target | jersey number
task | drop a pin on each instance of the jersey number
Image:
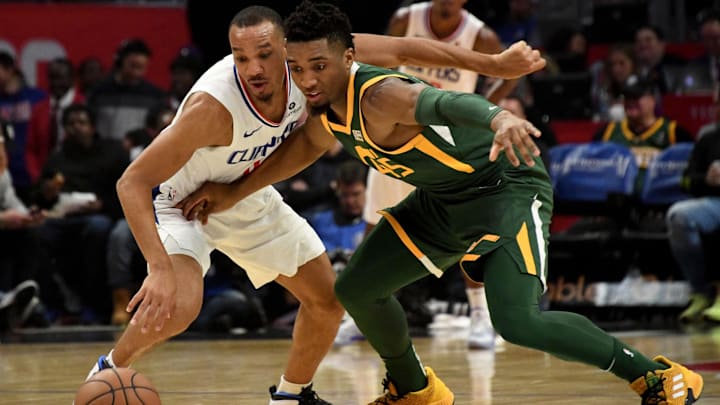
(382, 164)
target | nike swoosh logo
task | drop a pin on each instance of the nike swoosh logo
(248, 134)
(492, 107)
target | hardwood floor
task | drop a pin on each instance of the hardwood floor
(240, 371)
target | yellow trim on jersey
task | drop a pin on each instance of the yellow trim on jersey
(470, 258)
(671, 132)
(608, 131)
(629, 135)
(405, 239)
(428, 148)
(419, 142)
(402, 234)
(487, 237)
(345, 129)
(523, 241)
(326, 123)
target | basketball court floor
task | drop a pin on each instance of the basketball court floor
(239, 371)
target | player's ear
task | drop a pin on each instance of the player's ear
(349, 57)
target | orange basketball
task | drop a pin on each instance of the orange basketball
(117, 386)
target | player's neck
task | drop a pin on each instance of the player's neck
(339, 111)
(443, 27)
(272, 108)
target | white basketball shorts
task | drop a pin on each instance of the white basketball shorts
(261, 234)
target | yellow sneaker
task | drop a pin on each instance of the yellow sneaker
(435, 393)
(675, 385)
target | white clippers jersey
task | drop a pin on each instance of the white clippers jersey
(447, 78)
(254, 136)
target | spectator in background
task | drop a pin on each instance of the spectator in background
(19, 255)
(121, 101)
(619, 64)
(519, 25)
(566, 51)
(45, 133)
(156, 120)
(16, 105)
(311, 191)
(703, 72)
(642, 131)
(78, 186)
(690, 220)
(654, 63)
(90, 72)
(185, 69)
(342, 227)
(715, 123)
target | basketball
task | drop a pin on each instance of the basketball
(117, 386)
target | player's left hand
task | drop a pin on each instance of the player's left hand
(510, 131)
(518, 60)
(208, 199)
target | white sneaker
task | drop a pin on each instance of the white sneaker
(482, 334)
(348, 333)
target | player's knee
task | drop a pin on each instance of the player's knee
(515, 325)
(348, 293)
(326, 306)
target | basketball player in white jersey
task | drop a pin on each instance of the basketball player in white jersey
(447, 21)
(237, 113)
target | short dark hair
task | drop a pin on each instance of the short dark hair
(7, 60)
(659, 33)
(131, 46)
(312, 21)
(254, 15)
(351, 172)
(77, 107)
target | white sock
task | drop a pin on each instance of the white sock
(290, 388)
(110, 359)
(477, 301)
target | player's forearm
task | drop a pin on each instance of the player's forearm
(294, 155)
(500, 90)
(136, 200)
(426, 52)
(437, 107)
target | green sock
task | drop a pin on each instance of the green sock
(629, 364)
(406, 365)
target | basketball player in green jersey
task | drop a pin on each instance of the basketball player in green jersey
(470, 205)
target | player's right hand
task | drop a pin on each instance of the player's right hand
(518, 60)
(208, 199)
(155, 301)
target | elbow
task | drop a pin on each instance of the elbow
(124, 186)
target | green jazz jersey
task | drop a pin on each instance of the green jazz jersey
(440, 159)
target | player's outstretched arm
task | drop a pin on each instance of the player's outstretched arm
(302, 147)
(396, 102)
(518, 60)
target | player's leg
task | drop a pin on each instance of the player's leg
(513, 297)
(133, 343)
(379, 267)
(482, 334)
(190, 255)
(317, 320)
(188, 301)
